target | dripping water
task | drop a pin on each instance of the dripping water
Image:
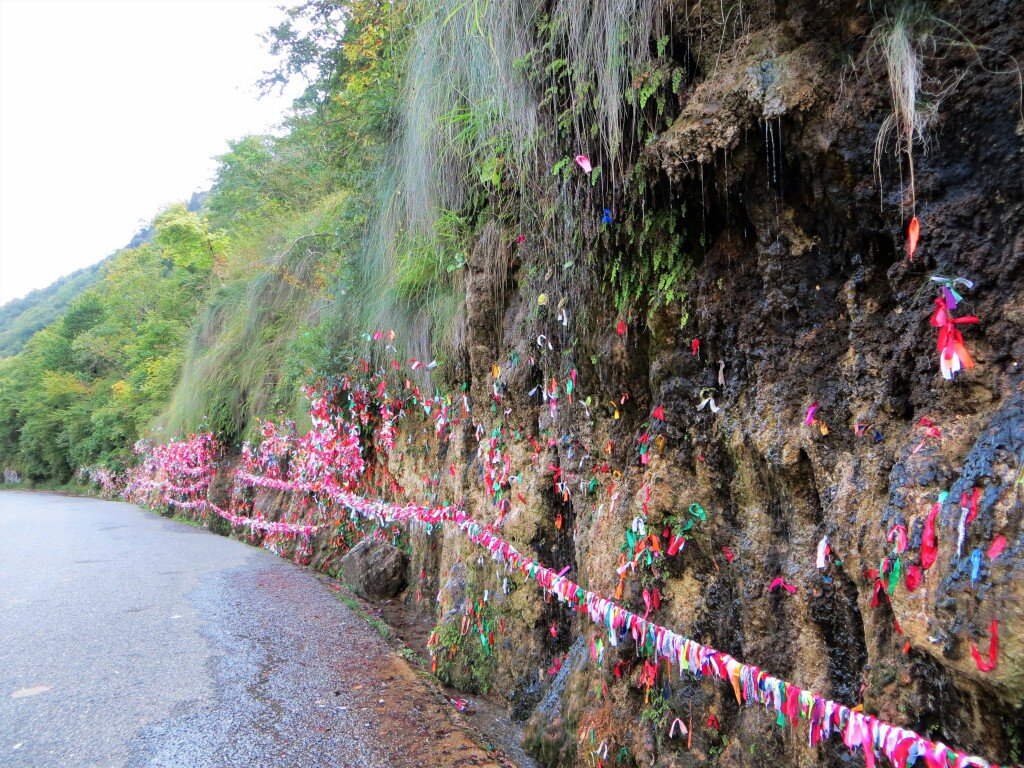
(769, 156)
(725, 168)
(703, 208)
(773, 165)
(779, 158)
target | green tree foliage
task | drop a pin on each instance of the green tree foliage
(85, 387)
(21, 318)
(307, 240)
(308, 44)
(296, 210)
(184, 238)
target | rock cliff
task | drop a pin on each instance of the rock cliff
(789, 387)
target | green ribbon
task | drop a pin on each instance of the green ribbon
(630, 541)
(894, 575)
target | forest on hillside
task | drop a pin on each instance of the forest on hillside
(716, 307)
(217, 321)
(21, 318)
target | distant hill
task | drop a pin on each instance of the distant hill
(21, 318)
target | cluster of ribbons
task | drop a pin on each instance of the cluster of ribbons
(259, 525)
(270, 483)
(178, 472)
(324, 464)
(110, 483)
(953, 355)
(750, 684)
(166, 468)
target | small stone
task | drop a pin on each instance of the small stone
(376, 569)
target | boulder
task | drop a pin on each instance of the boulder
(375, 569)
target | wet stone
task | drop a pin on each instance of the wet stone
(375, 569)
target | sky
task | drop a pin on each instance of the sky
(111, 110)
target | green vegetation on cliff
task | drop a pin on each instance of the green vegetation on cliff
(216, 321)
(420, 134)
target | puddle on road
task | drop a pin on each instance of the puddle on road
(35, 690)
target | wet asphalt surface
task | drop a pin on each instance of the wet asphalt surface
(131, 640)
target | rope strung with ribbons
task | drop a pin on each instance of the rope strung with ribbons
(750, 684)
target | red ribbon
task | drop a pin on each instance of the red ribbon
(913, 578)
(951, 342)
(929, 543)
(778, 581)
(998, 545)
(913, 235)
(675, 543)
(987, 665)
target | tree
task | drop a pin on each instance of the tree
(308, 43)
(184, 238)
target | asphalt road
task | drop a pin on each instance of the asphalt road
(130, 640)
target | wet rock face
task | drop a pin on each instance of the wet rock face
(802, 292)
(375, 569)
(806, 294)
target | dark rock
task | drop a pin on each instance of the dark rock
(375, 569)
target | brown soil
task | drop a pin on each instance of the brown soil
(488, 723)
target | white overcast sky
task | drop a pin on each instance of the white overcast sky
(110, 110)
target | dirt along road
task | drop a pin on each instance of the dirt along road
(130, 640)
